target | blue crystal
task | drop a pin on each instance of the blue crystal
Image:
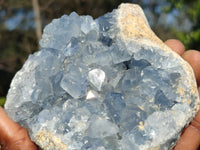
(104, 84)
(115, 105)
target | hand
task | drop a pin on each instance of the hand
(190, 138)
(12, 135)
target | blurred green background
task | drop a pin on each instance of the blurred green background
(21, 24)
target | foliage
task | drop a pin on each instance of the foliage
(192, 11)
(2, 101)
(16, 45)
(191, 40)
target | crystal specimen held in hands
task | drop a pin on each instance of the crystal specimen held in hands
(103, 84)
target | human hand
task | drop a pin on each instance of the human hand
(190, 138)
(12, 135)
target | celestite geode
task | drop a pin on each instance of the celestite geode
(103, 84)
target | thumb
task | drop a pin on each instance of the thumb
(13, 136)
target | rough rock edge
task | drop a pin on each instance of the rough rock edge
(134, 26)
(52, 140)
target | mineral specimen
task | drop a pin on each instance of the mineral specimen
(103, 84)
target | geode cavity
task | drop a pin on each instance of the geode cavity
(103, 84)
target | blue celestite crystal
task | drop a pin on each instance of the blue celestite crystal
(104, 84)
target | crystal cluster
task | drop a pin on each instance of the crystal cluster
(103, 84)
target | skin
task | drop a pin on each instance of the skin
(14, 137)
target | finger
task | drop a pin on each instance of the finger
(23, 142)
(193, 58)
(176, 46)
(190, 138)
(13, 136)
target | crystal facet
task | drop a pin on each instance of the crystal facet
(97, 77)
